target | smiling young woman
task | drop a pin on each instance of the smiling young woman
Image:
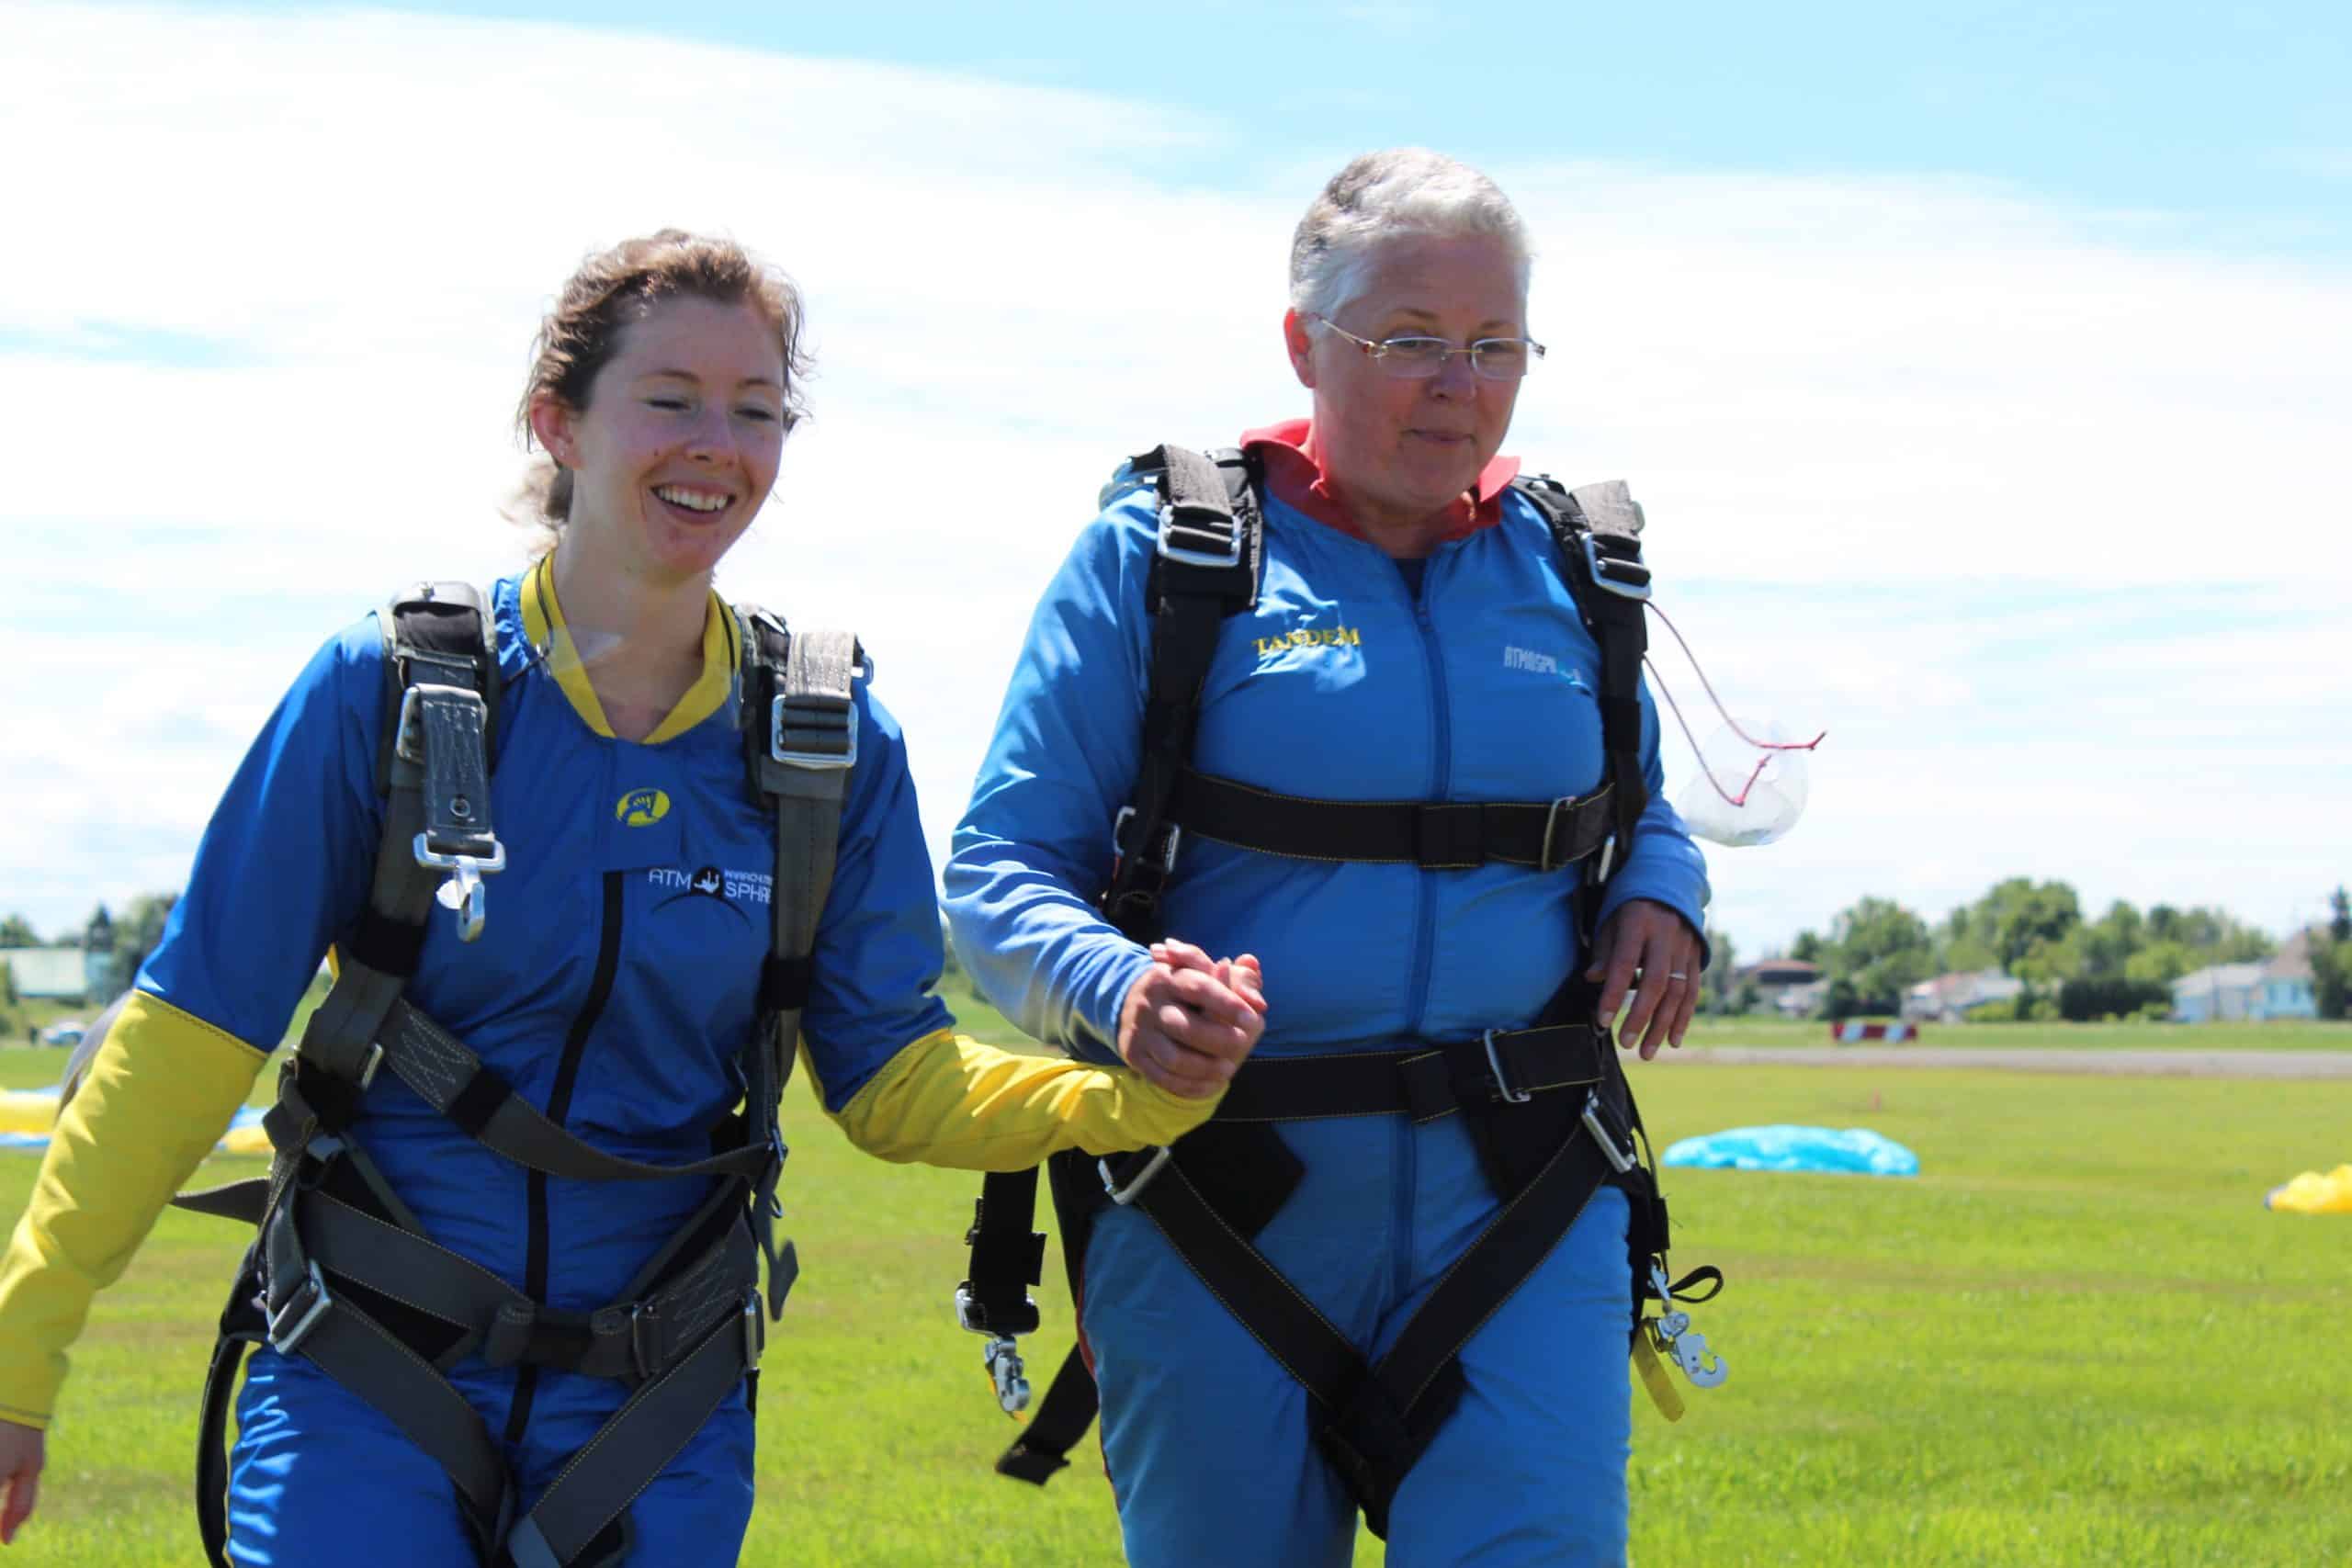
(512, 1383)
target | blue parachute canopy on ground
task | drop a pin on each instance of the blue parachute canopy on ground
(1851, 1151)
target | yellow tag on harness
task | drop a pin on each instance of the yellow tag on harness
(1663, 1393)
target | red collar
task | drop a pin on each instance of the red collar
(1294, 474)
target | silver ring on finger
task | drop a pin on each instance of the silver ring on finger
(1677, 975)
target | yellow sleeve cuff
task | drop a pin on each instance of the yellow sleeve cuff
(155, 1101)
(947, 1100)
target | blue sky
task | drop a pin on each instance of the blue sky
(1982, 368)
(2225, 126)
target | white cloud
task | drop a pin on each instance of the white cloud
(1864, 415)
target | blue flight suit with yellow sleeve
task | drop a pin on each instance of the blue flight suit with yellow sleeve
(613, 986)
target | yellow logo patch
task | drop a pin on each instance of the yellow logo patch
(1310, 636)
(642, 808)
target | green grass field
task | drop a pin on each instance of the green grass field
(2118, 1036)
(2077, 1338)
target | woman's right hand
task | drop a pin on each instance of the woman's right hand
(1191, 1020)
(21, 1452)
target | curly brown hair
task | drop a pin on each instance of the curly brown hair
(614, 289)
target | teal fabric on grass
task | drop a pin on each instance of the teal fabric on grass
(1847, 1150)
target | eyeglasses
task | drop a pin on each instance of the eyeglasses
(1419, 359)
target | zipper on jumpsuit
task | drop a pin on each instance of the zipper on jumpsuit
(567, 1073)
(1424, 913)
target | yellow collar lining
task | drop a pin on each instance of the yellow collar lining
(543, 623)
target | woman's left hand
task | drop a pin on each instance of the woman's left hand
(1650, 941)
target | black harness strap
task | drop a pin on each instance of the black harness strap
(1596, 532)
(1436, 835)
(1212, 541)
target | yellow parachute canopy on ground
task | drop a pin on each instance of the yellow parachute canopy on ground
(2313, 1193)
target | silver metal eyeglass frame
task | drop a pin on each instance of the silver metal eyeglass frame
(1381, 352)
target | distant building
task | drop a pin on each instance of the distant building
(2250, 993)
(1790, 986)
(55, 974)
(1800, 1001)
(1947, 999)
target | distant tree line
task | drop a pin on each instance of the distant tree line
(2120, 964)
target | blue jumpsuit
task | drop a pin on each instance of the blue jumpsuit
(614, 985)
(1346, 682)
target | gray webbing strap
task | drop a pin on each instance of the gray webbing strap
(657, 1423)
(341, 1036)
(812, 750)
(440, 675)
(803, 772)
(441, 1069)
(629, 1340)
(366, 1358)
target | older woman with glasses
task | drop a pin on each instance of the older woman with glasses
(1393, 1274)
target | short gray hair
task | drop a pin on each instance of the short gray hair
(1383, 195)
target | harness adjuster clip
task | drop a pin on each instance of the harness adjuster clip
(1546, 859)
(1635, 582)
(1621, 1160)
(408, 737)
(755, 1330)
(812, 712)
(308, 1303)
(1127, 1192)
(1168, 851)
(1510, 1093)
(1211, 524)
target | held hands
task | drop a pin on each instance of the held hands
(21, 1450)
(1191, 1020)
(1650, 942)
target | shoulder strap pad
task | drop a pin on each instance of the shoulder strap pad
(440, 634)
(1211, 535)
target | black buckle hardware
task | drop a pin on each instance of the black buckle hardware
(1175, 837)
(1219, 529)
(755, 1331)
(1546, 861)
(307, 1303)
(1510, 1093)
(1626, 579)
(1621, 1160)
(1126, 1193)
(644, 1342)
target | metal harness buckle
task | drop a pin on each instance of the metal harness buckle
(755, 1330)
(1503, 1086)
(1636, 585)
(1167, 855)
(1621, 1160)
(463, 892)
(1122, 1196)
(1000, 1356)
(1551, 820)
(449, 814)
(811, 707)
(1230, 557)
(307, 1304)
